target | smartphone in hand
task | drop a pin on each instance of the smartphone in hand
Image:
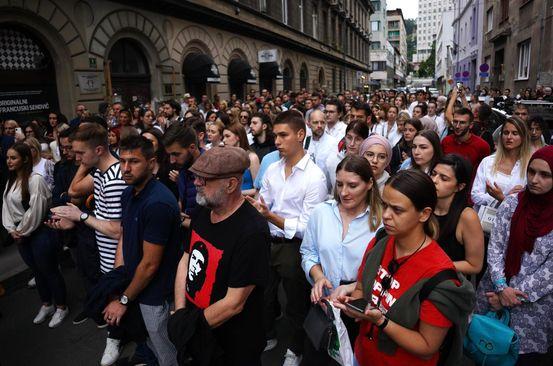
(358, 305)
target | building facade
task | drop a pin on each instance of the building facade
(380, 57)
(517, 43)
(58, 53)
(467, 41)
(444, 50)
(427, 25)
(397, 36)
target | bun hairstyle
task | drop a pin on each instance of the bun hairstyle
(411, 183)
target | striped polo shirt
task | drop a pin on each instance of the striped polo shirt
(108, 188)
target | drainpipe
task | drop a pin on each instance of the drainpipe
(542, 30)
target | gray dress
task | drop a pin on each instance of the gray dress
(533, 320)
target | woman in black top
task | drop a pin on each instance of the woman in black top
(461, 235)
(403, 149)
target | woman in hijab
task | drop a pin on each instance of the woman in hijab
(378, 152)
(520, 259)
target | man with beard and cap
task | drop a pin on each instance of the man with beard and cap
(181, 144)
(222, 274)
(463, 142)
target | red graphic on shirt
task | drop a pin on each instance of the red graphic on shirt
(203, 262)
(424, 264)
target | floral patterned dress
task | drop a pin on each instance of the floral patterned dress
(533, 320)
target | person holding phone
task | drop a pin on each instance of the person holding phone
(337, 235)
(397, 328)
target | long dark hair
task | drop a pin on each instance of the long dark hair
(24, 151)
(411, 183)
(463, 171)
(434, 140)
(361, 167)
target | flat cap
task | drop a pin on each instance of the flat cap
(221, 162)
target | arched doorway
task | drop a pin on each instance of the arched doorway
(268, 73)
(240, 73)
(321, 78)
(28, 76)
(304, 76)
(288, 76)
(199, 69)
(130, 74)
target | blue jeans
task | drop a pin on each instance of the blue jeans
(40, 253)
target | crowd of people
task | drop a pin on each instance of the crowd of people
(184, 220)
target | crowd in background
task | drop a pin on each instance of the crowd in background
(361, 192)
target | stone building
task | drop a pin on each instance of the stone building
(467, 41)
(517, 44)
(397, 36)
(57, 53)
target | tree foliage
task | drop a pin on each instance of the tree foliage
(427, 67)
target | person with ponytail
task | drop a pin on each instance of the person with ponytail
(414, 295)
(25, 205)
(520, 261)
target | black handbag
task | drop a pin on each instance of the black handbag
(319, 325)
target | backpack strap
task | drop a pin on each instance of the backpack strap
(428, 287)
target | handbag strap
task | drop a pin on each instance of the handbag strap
(428, 287)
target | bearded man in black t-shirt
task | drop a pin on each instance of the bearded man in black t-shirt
(223, 272)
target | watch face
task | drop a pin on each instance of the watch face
(84, 216)
(124, 300)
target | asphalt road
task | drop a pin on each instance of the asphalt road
(23, 343)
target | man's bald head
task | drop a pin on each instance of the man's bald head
(317, 123)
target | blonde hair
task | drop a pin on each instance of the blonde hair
(524, 153)
(403, 116)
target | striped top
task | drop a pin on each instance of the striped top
(108, 188)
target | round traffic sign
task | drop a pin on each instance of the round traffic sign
(484, 67)
(466, 74)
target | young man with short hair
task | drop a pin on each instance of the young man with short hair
(181, 144)
(147, 247)
(332, 113)
(263, 140)
(463, 142)
(90, 145)
(291, 188)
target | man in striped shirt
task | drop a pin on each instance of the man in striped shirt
(90, 145)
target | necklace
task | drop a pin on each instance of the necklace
(386, 282)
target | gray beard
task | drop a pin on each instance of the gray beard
(200, 200)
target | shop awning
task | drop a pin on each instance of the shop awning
(269, 70)
(241, 72)
(200, 67)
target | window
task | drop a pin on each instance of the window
(393, 34)
(315, 17)
(263, 6)
(375, 45)
(524, 59)
(489, 19)
(378, 65)
(375, 26)
(376, 5)
(285, 11)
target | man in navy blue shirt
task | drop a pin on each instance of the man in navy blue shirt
(148, 246)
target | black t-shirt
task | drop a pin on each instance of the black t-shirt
(231, 253)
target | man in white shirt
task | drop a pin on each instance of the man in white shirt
(421, 99)
(439, 120)
(291, 188)
(322, 144)
(333, 112)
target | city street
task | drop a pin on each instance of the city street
(26, 344)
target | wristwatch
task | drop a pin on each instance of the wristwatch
(384, 324)
(84, 216)
(124, 300)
